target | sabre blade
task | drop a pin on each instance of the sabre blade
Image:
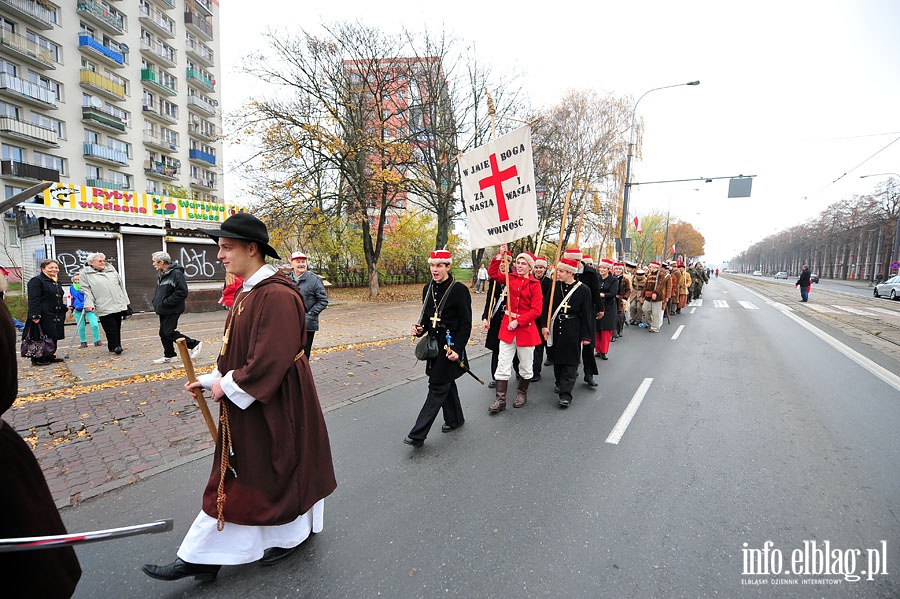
(81, 538)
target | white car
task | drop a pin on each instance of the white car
(781, 275)
(757, 273)
(890, 288)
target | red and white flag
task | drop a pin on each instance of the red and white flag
(637, 224)
(672, 249)
(498, 190)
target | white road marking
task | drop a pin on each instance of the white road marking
(853, 310)
(823, 309)
(696, 302)
(693, 310)
(748, 305)
(886, 312)
(677, 332)
(882, 373)
(625, 419)
(720, 304)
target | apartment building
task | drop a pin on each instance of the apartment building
(117, 103)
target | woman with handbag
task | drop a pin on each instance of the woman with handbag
(46, 312)
(105, 295)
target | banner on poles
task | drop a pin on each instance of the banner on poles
(497, 181)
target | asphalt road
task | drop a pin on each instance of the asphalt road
(755, 426)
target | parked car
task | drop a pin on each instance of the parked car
(781, 275)
(890, 288)
(813, 278)
(757, 273)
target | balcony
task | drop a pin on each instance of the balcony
(102, 84)
(166, 4)
(200, 52)
(157, 22)
(154, 141)
(154, 111)
(32, 93)
(105, 154)
(199, 24)
(31, 12)
(204, 5)
(199, 78)
(107, 54)
(159, 54)
(101, 16)
(202, 184)
(10, 127)
(24, 48)
(149, 77)
(106, 184)
(102, 118)
(205, 157)
(32, 172)
(200, 105)
(160, 170)
(208, 132)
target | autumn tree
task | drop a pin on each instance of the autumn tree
(579, 146)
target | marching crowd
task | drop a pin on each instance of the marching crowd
(571, 316)
(271, 427)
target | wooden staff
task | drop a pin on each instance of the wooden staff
(198, 392)
(562, 228)
(578, 230)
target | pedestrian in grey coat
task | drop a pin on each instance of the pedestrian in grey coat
(105, 295)
(315, 298)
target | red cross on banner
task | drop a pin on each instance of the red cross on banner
(496, 181)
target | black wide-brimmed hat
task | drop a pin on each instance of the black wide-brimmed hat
(246, 227)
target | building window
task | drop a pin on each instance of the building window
(47, 83)
(120, 179)
(49, 123)
(53, 162)
(12, 235)
(119, 146)
(91, 137)
(14, 153)
(93, 172)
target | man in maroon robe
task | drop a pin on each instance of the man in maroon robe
(272, 435)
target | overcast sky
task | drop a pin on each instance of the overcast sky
(797, 92)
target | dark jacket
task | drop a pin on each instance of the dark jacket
(804, 280)
(45, 301)
(609, 287)
(171, 291)
(456, 318)
(315, 298)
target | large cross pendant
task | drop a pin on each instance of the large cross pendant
(565, 307)
(434, 320)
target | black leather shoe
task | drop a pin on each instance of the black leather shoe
(603, 357)
(273, 555)
(55, 360)
(492, 384)
(590, 382)
(564, 403)
(548, 363)
(118, 350)
(535, 378)
(597, 354)
(414, 442)
(182, 569)
(446, 428)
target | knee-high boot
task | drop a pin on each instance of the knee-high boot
(521, 394)
(500, 401)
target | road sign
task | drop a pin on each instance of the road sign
(895, 265)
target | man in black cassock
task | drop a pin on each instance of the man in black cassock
(569, 331)
(590, 278)
(447, 308)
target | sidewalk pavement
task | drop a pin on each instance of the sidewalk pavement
(100, 421)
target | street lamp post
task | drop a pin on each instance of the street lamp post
(627, 193)
(895, 255)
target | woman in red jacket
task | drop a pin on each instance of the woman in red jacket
(519, 331)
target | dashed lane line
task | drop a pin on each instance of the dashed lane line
(677, 332)
(625, 419)
(748, 305)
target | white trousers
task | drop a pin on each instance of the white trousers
(240, 544)
(505, 360)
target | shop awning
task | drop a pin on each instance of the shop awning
(42, 211)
